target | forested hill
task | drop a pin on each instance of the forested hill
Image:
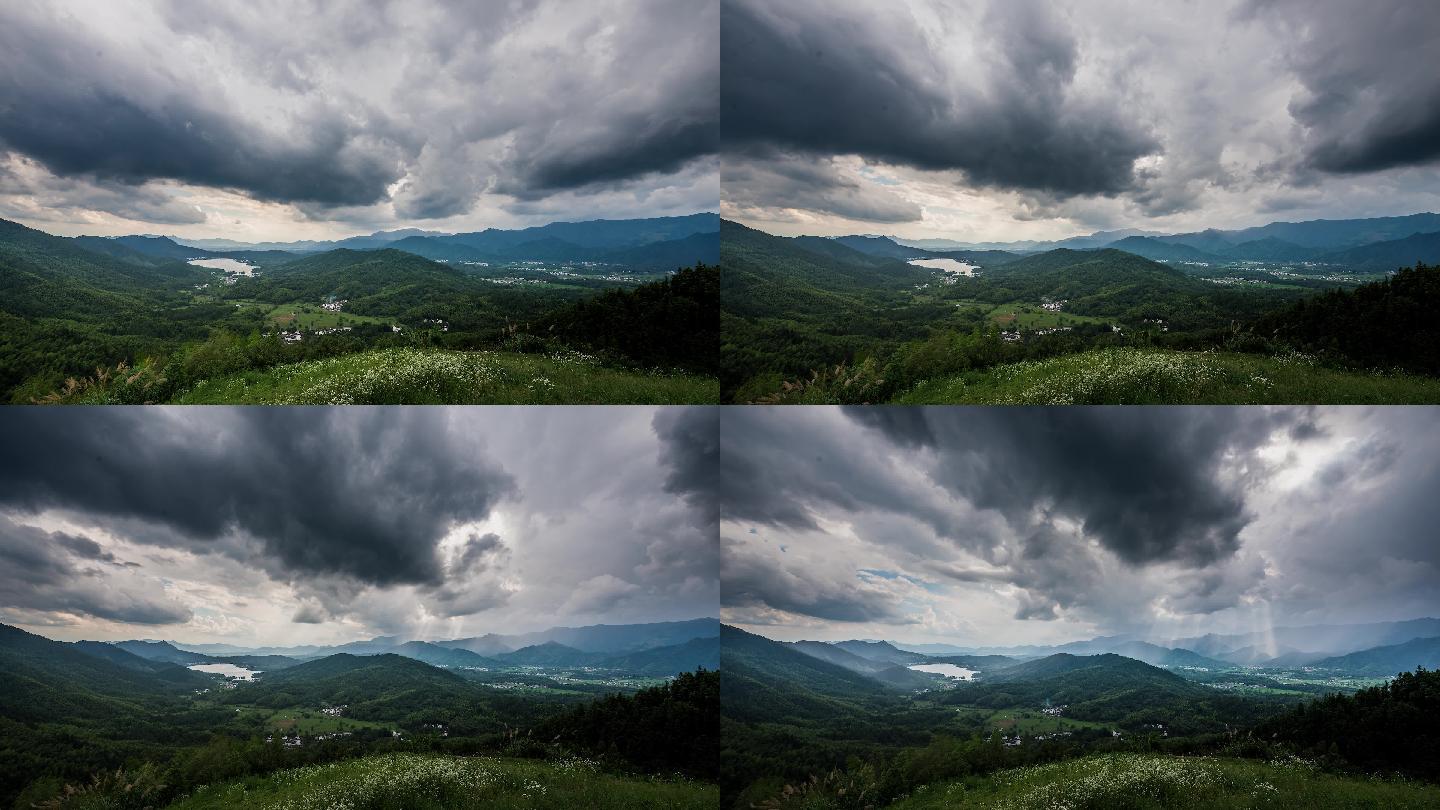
(44, 275)
(39, 674)
(766, 681)
(1155, 249)
(1106, 665)
(1386, 324)
(661, 243)
(670, 323)
(1386, 728)
(670, 728)
(780, 276)
(1383, 662)
(1386, 256)
(343, 669)
(66, 310)
(390, 282)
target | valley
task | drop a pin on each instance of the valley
(531, 721)
(1105, 722)
(1215, 317)
(148, 319)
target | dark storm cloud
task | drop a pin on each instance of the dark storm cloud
(22, 180)
(1369, 103)
(1139, 480)
(784, 471)
(690, 453)
(352, 492)
(748, 580)
(38, 571)
(641, 147)
(1110, 520)
(760, 177)
(479, 551)
(83, 547)
(69, 105)
(836, 79)
(309, 614)
(454, 99)
(657, 112)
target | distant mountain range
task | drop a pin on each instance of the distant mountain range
(1380, 649)
(769, 681)
(1377, 244)
(38, 672)
(659, 243)
(657, 648)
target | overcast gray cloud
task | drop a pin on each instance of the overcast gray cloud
(287, 478)
(857, 78)
(988, 120)
(357, 113)
(1363, 109)
(328, 523)
(986, 525)
(46, 571)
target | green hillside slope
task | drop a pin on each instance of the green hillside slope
(1146, 782)
(1157, 376)
(419, 782)
(435, 376)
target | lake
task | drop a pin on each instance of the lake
(228, 265)
(948, 265)
(948, 670)
(228, 670)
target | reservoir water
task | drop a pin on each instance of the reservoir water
(948, 670)
(228, 265)
(948, 265)
(228, 670)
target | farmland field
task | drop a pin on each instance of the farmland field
(311, 316)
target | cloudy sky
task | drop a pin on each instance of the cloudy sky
(1001, 526)
(316, 525)
(1003, 120)
(280, 119)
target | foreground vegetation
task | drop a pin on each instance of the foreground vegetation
(809, 320)
(1145, 781)
(1124, 376)
(434, 376)
(429, 781)
(802, 732)
(93, 320)
(90, 725)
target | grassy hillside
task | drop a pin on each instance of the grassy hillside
(421, 376)
(1156, 376)
(77, 313)
(422, 782)
(1140, 782)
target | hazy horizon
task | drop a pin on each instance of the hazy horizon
(183, 643)
(219, 236)
(786, 634)
(904, 237)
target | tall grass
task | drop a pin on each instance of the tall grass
(419, 782)
(427, 376)
(1153, 782)
(1153, 376)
